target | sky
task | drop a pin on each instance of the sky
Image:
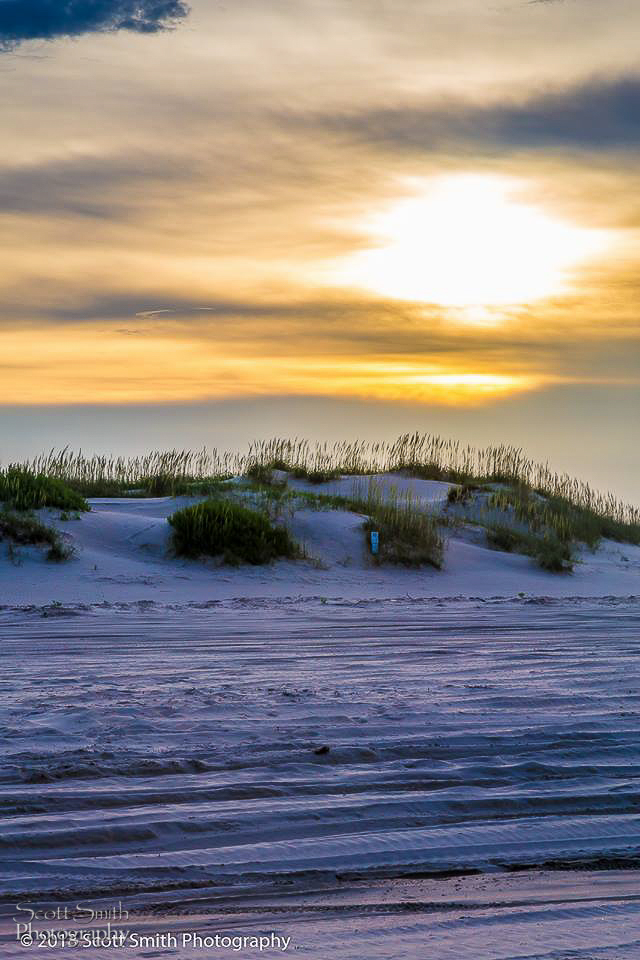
(327, 218)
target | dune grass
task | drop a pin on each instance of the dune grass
(408, 534)
(24, 489)
(423, 455)
(435, 458)
(160, 473)
(557, 516)
(223, 528)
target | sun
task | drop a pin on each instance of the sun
(467, 241)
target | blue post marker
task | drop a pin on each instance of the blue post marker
(375, 539)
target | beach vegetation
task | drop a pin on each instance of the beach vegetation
(23, 489)
(462, 493)
(409, 534)
(222, 528)
(550, 553)
(25, 529)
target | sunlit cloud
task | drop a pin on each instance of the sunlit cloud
(164, 364)
(319, 198)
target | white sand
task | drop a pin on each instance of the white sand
(536, 915)
(161, 755)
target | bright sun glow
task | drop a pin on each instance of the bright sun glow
(464, 241)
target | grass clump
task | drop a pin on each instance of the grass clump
(462, 494)
(316, 475)
(550, 553)
(227, 529)
(260, 474)
(409, 541)
(26, 530)
(554, 555)
(557, 516)
(408, 534)
(22, 489)
(436, 458)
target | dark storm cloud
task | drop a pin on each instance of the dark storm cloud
(592, 116)
(48, 19)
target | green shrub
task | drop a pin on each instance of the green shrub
(326, 501)
(506, 539)
(260, 473)
(22, 489)
(59, 551)
(554, 555)
(204, 488)
(461, 494)
(27, 530)
(223, 528)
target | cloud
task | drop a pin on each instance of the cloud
(103, 187)
(594, 115)
(76, 186)
(22, 20)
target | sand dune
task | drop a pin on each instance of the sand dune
(122, 553)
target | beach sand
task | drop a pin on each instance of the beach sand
(374, 762)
